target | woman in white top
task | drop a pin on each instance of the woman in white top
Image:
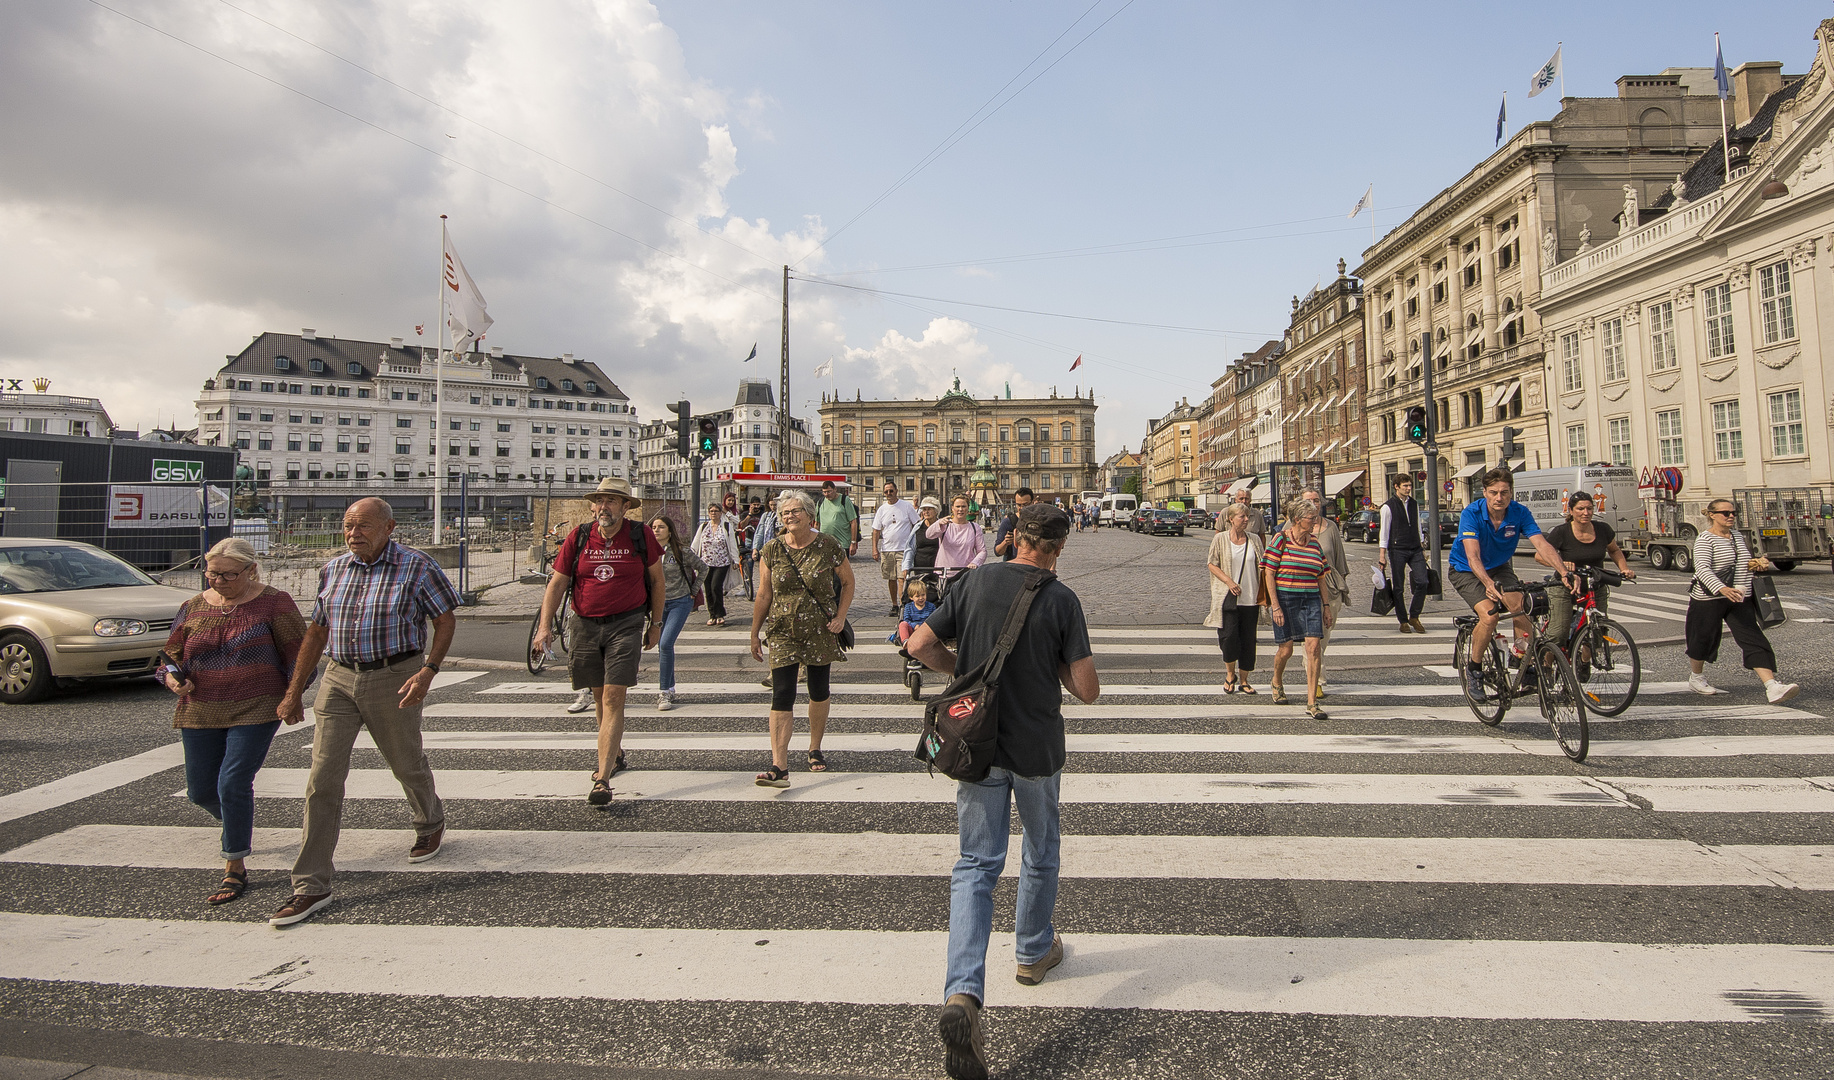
(1720, 596)
(717, 544)
(1235, 581)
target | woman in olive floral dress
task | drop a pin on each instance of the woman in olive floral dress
(801, 607)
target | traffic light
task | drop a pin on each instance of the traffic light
(709, 439)
(684, 442)
(1510, 449)
(1416, 427)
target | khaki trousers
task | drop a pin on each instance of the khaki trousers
(349, 701)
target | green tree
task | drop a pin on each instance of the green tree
(1131, 485)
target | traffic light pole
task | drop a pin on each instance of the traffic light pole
(1431, 447)
(694, 463)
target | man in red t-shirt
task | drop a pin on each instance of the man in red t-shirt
(614, 566)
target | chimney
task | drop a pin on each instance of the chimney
(567, 358)
(309, 334)
(394, 343)
(496, 352)
(1752, 82)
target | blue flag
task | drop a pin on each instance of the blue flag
(1502, 114)
(1719, 71)
(753, 356)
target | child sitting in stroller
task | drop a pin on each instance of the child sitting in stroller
(917, 609)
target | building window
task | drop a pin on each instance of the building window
(1025, 455)
(846, 434)
(846, 459)
(982, 432)
(1716, 302)
(264, 442)
(1776, 304)
(1661, 336)
(1611, 349)
(1668, 438)
(910, 457)
(292, 442)
(866, 457)
(1572, 379)
(1576, 444)
(343, 446)
(1617, 440)
(316, 443)
(1786, 438)
(929, 434)
(1728, 439)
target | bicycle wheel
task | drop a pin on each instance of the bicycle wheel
(1495, 679)
(563, 624)
(1608, 668)
(1563, 704)
(537, 659)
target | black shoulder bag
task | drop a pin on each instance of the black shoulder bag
(961, 726)
(846, 637)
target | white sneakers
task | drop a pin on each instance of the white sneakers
(665, 700)
(582, 702)
(1700, 685)
(1779, 691)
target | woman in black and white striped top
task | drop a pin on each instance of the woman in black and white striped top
(1720, 597)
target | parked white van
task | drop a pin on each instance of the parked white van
(1118, 510)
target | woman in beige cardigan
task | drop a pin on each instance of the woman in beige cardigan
(1235, 572)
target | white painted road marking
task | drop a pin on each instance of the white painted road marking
(1481, 860)
(1330, 976)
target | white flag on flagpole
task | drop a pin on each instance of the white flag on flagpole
(1545, 77)
(465, 313)
(1367, 202)
(825, 368)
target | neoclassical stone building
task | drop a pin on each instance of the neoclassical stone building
(1322, 370)
(1700, 340)
(929, 447)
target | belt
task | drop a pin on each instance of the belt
(376, 665)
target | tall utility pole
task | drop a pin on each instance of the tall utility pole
(783, 387)
(1432, 462)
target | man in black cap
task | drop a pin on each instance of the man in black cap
(1052, 652)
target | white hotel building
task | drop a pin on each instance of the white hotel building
(313, 412)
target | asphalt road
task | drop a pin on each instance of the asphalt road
(1397, 891)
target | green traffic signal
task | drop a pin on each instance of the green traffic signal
(1415, 429)
(709, 439)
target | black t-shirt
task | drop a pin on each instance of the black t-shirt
(1031, 697)
(1005, 530)
(1576, 551)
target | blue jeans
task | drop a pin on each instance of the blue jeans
(220, 768)
(674, 616)
(984, 819)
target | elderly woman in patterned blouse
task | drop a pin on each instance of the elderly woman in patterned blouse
(228, 659)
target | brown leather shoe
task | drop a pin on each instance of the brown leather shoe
(298, 909)
(425, 847)
(965, 1057)
(1419, 627)
(1033, 973)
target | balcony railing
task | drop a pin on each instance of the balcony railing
(1675, 224)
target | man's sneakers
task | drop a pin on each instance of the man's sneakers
(425, 847)
(1778, 691)
(1699, 684)
(965, 1056)
(1033, 973)
(582, 702)
(298, 909)
(665, 700)
(1474, 685)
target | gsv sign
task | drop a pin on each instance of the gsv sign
(179, 472)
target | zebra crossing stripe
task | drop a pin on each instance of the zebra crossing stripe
(1460, 860)
(1339, 976)
(1150, 743)
(686, 690)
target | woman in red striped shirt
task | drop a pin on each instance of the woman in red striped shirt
(1293, 572)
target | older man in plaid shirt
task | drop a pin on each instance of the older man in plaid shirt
(373, 607)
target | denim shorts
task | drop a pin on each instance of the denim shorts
(1305, 616)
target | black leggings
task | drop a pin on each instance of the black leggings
(783, 686)
(716, 591)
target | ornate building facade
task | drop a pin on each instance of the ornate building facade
(1323, 376)
(929, 447)
(1171, 458)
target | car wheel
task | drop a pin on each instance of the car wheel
(25, 673)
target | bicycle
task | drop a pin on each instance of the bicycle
(562, 624)
(1603, 654)
(1563, 704)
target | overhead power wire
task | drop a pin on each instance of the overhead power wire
(511, 139)
(968, 126)
(1022, 311)
(422, 146)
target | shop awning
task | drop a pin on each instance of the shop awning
(1243, 484)
(1469, 471)
(1505, 392)
(1337, 482)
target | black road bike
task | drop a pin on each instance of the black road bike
(1542, 672)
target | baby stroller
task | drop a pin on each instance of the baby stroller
(937, 579)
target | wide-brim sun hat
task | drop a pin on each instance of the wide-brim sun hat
(929, 501)
(616, 485)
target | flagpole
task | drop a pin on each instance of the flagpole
(1725, 137)
(439, 382)
(1558, 45)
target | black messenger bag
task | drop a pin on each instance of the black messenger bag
(961, 725)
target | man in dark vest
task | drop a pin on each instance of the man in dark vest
(1401, 555)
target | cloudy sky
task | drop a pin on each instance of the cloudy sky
(1140, 182)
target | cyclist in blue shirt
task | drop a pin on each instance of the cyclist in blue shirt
(1488, 532)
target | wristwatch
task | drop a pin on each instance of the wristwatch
(431, 666)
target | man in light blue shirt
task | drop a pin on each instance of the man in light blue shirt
(1482, 570)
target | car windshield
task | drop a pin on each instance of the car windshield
(42, 568)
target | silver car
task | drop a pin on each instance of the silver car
(73, 611)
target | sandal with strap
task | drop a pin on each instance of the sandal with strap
(774, 777)
(1280, 695)
(601, 791)
(1316, 712)
(1248, 687)
(817, 763)
(234, 885)
(1230, 686)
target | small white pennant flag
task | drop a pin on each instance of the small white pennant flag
(825, 368)
(465, 313)
(1367, 202)
(1546, 77)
